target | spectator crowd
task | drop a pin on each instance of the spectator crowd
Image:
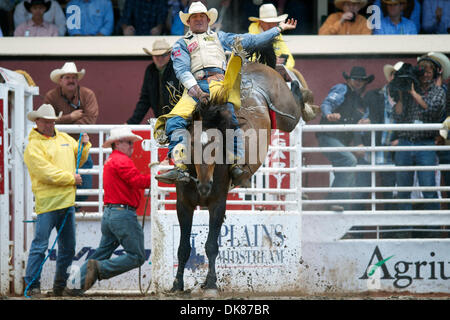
(160, 17)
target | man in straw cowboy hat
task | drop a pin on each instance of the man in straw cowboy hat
(268, 18)
(344, 105)
(51, 158)
(348, 21)
(122, 183)
(160, 83)
(393, 22)
(199, 62)
(78, 105)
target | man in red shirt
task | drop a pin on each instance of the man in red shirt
(122, 182)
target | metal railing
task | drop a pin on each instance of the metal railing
(373, 168)
(294, 195)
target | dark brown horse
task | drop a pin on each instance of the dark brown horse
(261, 88)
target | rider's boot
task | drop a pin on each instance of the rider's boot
(236, 173)
(180, 172)
(296, 92)
(177, 174)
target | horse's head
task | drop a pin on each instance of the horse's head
(208, 129)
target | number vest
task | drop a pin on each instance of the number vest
(206, 51)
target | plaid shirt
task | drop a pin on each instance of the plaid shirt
(144, 15)
(434, 97)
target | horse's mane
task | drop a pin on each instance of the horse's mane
(213, 115)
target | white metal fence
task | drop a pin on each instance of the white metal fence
(316, 226)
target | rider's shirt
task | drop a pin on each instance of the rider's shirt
(187, 60)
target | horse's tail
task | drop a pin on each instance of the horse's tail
(264, 53)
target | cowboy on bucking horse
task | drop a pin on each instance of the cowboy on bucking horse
(199, 62)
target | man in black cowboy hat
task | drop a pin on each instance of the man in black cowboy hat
(344, 105)
(53, 15)
(36, 26)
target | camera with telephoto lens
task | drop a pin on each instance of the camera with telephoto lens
(403, 80)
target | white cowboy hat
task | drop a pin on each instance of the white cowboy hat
(340, 3)
(198, 7)
(45, 111)
(159, 48)
(268, 13)
(68, 68)
(119, 133)
(388, 69)
(440, 59)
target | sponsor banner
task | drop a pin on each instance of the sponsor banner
(88, 235)
(349, 266)
(257, 252)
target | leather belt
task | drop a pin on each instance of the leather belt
(202, 75)
(123, 206)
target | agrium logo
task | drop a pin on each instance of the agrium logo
(403, 273)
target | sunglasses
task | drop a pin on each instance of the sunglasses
(127, 142)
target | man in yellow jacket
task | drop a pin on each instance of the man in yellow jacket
(51, 158)
(268, 18)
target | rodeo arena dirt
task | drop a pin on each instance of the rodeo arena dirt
(298, 228)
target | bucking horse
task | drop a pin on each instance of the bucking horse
(266, 100)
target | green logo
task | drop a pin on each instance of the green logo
(377, 265)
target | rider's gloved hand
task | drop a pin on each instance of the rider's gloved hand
(197, 92)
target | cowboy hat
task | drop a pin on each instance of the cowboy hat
(340, 3)
(68, 68)
(45, 111)
(268, 13)
(388, 69)
(159, 48)
(119, 133)
(441, 60)
(359, 73)
(29, 4)
(198, 7)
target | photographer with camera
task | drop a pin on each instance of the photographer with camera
(344, 105)
(418, 100)
(348, 21)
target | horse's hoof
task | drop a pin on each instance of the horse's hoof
(211, 293)
(177, 293)
(209, 285)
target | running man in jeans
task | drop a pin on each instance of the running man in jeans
(122, 183)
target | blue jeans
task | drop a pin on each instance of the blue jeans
(45, 222)
(339, 159)
(87, 178)
(426, 178)
(119, 227)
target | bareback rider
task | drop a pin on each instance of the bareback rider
(199, 62)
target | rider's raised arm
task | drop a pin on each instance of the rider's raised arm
(248, 40)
